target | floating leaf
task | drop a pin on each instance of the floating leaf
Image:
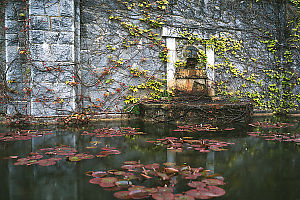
(95, 180)
(46, 162)
(183, 197)
(213, 182)
(74, 159)
(123, 183)
(163, 196)
(108, 181)
(169, 164)
(150, 190)
(196, 184)
(122, 195)
(91, 147)
(214, 191)
(163, 176)
(99, 174)
(130, 162)
(136, 187)
(198, 194)
(228, 129)
(138, 194)
(164, 189)
(152, 166)
(171, 170)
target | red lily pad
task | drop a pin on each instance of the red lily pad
(163, 196)
(150, 190)
(170, 170)
(130, 162)
(136, 187)
(108, 148)
(214, 191)
(190, 176)
(108, 182)
(99, 174)
(138, 194)
(228, 129)
(122, 195)
(128, 167)
(47, 149)
(164, 189)
(119, 173)
(198, 194)
(213, 182)
(196, 184)
(13, 157)
(163, 176)
(95, 180)
(46, 162)
(183, 197)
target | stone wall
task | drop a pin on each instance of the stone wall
(102, 46)
(66, 56)
(2, 58)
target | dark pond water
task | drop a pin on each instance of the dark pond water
(253, 168)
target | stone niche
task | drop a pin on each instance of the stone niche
(188, 71)
(190, 77)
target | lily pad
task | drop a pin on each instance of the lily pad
(122, 195)
(138, 194)
(183, 197)
(74, 159)
(130, 162)
(136, 187)
(196, 184)
(108, 182)
(46, 162)
(163, 196)
(214, 191)
(123, 183)
(95, 180)
(99, 174)
(213, 182)
(152, 166)
(169, 164)
(197, 194)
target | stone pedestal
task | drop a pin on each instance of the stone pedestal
(191, 81)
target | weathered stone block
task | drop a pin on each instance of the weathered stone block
(51, 37)
(18, 107)
(67, 8)
(52, 8)
(12, 39)
(36, 7)
(66, 38)
(39, 23)
(12, 27)
(64, 91)
(12, 54)
(43, 109)
(40, 76)
(41, 52)
(62, 24)
(36, 37)
(63, 53)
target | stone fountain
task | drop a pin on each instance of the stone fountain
(192, 80)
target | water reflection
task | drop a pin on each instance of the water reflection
(253, 168)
